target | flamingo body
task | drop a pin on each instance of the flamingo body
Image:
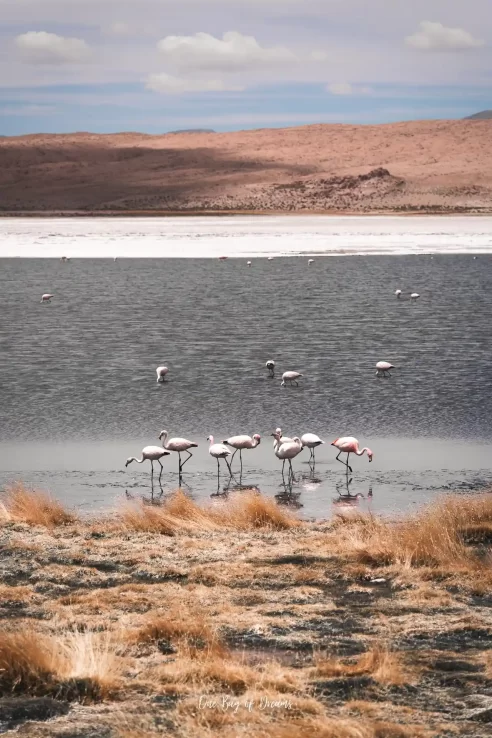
(219, 451)
(398, 293)
(350, 445)
(278, 438)
(290, 377)
(414, 296)
(150, 453)
(270, 365)
(310, 261)
(161, 372)
(46, 298)
(179, 445)
(240, 442)
(311, 441)
(287, 451)
(383, 368)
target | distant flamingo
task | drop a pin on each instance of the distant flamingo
(287, 451)
(240, 442)
(223, 258)
(310, 261)
(179, 445)
(46, 298)
(219, 451)
(281, 438)
(350, 445)
(398, 293)
(290, 377)
(311, 440)
(269, 258)
(161, 372)
(414, 296)
(150, 453)
(248, 263)
(270, 365)
(383, 369)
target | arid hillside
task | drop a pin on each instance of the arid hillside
(419, 165)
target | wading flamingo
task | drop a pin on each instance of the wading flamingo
(350, 445)
(179, 445)
(270, 365)
(269, 258)
(248, 263)
(398, 293)
(287, 451)
(46, 298)
(291, 377)
(240, 442)
(280, 439)
(310, 261)
(310, 441)
(150, 453)
(161, 372)
(219, 451)
(414, 296)
(383, 369)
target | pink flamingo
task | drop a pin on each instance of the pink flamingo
(179, 445)
(350, 445)
(240, 442)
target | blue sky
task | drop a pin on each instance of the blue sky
(157, 65)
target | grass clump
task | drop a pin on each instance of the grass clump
(383, 665)
(179, 514)
(78, 666)
(21, 505)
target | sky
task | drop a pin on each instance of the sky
(160, 65)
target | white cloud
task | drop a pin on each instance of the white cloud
(233, 52)
(436, 37)
(345, 88)
(171, 85)
(39, 47)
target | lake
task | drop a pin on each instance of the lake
(79, 392)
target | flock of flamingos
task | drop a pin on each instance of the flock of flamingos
(285, 448)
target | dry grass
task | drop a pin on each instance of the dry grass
(75, 665)
(179, 514)
(435, 537)
(181, 627)
(380, 663)
(21, 505)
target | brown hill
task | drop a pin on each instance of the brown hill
(422, 165)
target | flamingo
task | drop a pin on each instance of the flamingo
(281, 438)
(150, 453)
(414, 296)
(248, 263)
(219, 451)
(240, 442)
(269, 258)
(311, 440)
(310, 261)
(161, 372)
(291, 377)
(350, 445)
(383, 369)
(179, 445)
(287, 451)
(270, 365)
(223, 258)
(398, 293)
(46, 298)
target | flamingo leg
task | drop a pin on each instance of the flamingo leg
(233, 455)
(241, 460)
(152, 471)
(349, 468)
(187, 459)
(218, 472)
(228, 466)
(162, 469)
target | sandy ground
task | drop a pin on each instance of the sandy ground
(440, 166)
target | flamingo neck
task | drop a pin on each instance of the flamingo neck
(163, 437)
(255, 443)
(211, 440)
(362, 451)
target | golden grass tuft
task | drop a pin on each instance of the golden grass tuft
(82, 666)
(435, 537)
(191, 630)
(21, 505)
(380, 663)
(179, 514)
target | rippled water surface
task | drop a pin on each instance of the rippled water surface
(79, 392)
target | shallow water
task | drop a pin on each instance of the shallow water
(79, 392)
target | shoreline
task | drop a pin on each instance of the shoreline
(452, 212)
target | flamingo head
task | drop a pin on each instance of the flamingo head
(257, 437)
(277, 434)
(369, 454)
(162, 433)
(128, 461)
(211, 439)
